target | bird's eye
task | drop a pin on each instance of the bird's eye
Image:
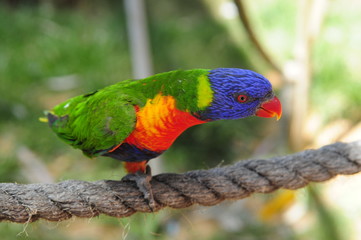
(242, 98)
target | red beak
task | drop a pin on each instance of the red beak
(271, 108)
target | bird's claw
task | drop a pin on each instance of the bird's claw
(142, 179)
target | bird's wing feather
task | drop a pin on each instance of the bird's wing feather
(94, 123)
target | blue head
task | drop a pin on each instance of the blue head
(239, 93)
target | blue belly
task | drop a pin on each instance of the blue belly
(130, 153)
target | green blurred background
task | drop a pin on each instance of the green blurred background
(53, 50)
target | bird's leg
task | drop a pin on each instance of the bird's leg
(142, 178)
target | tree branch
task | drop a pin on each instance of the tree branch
(57, 202)
(252, 35)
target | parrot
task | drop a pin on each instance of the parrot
(136, 120)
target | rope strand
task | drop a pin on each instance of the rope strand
(23, 203)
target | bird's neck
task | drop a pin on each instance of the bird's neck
(159, 123)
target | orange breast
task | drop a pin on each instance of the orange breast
(159, 123)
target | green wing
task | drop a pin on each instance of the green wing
(95, 122)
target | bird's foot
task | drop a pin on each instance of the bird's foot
(142, 179)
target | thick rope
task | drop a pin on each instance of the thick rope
(57, 202)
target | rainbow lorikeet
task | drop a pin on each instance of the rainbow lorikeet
(137, 120)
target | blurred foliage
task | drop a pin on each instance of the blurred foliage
(335, 55)
(49, 53)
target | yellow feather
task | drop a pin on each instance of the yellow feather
(43, 119)
(205, 93)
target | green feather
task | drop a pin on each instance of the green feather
(98, 121)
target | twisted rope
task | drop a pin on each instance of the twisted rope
(57, 202)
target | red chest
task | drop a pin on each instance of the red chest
(159, 123)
